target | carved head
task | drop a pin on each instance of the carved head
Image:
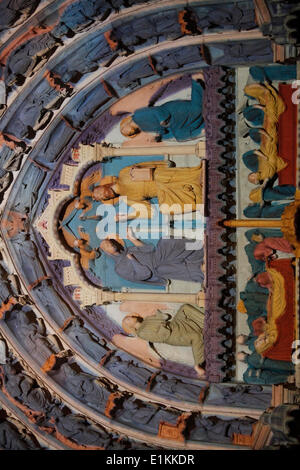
(111, 246)
(78, 204)
(129, 128)
(78, 243)
(262, 342)
(253, 178)
(257, 237)
(103, 193)
(131, 323)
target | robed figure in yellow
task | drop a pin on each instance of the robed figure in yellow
(173, 187)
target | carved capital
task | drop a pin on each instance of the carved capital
(103, 150)
(200, 299)
(105, 297)
(200, 149)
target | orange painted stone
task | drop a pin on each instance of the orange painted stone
(49, 363)
(111, 404)
(242, 439)
(174, 431)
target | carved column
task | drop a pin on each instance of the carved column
(108, 297)
(286, 223)
(253, 223)
(100, 151)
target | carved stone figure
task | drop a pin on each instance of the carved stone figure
(145, 417)
(12, 438)
(175, 59)
(211, 19)
(11, 158)
(54, 143)
(93, 346)
(239, 52)
(88, 57)
(83, 386)
(215, 429)
(36, 111)
(47, 296)
(146, 30)
(26, 254)
(15, 13)
(79, 430)
(24, 388)
(28, 190)
(130, 77)
(128, 371)
(51, 413)
(31, 333)
(87, 106)
(177, 389)
(6, 179)
(239, 395)
(29, 57)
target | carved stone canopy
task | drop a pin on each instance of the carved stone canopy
(47, 223)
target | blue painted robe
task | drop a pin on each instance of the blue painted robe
(268, 211)
(179, 119)
(254, 115)
(170, 259)
(250, 160)
(274, 72)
